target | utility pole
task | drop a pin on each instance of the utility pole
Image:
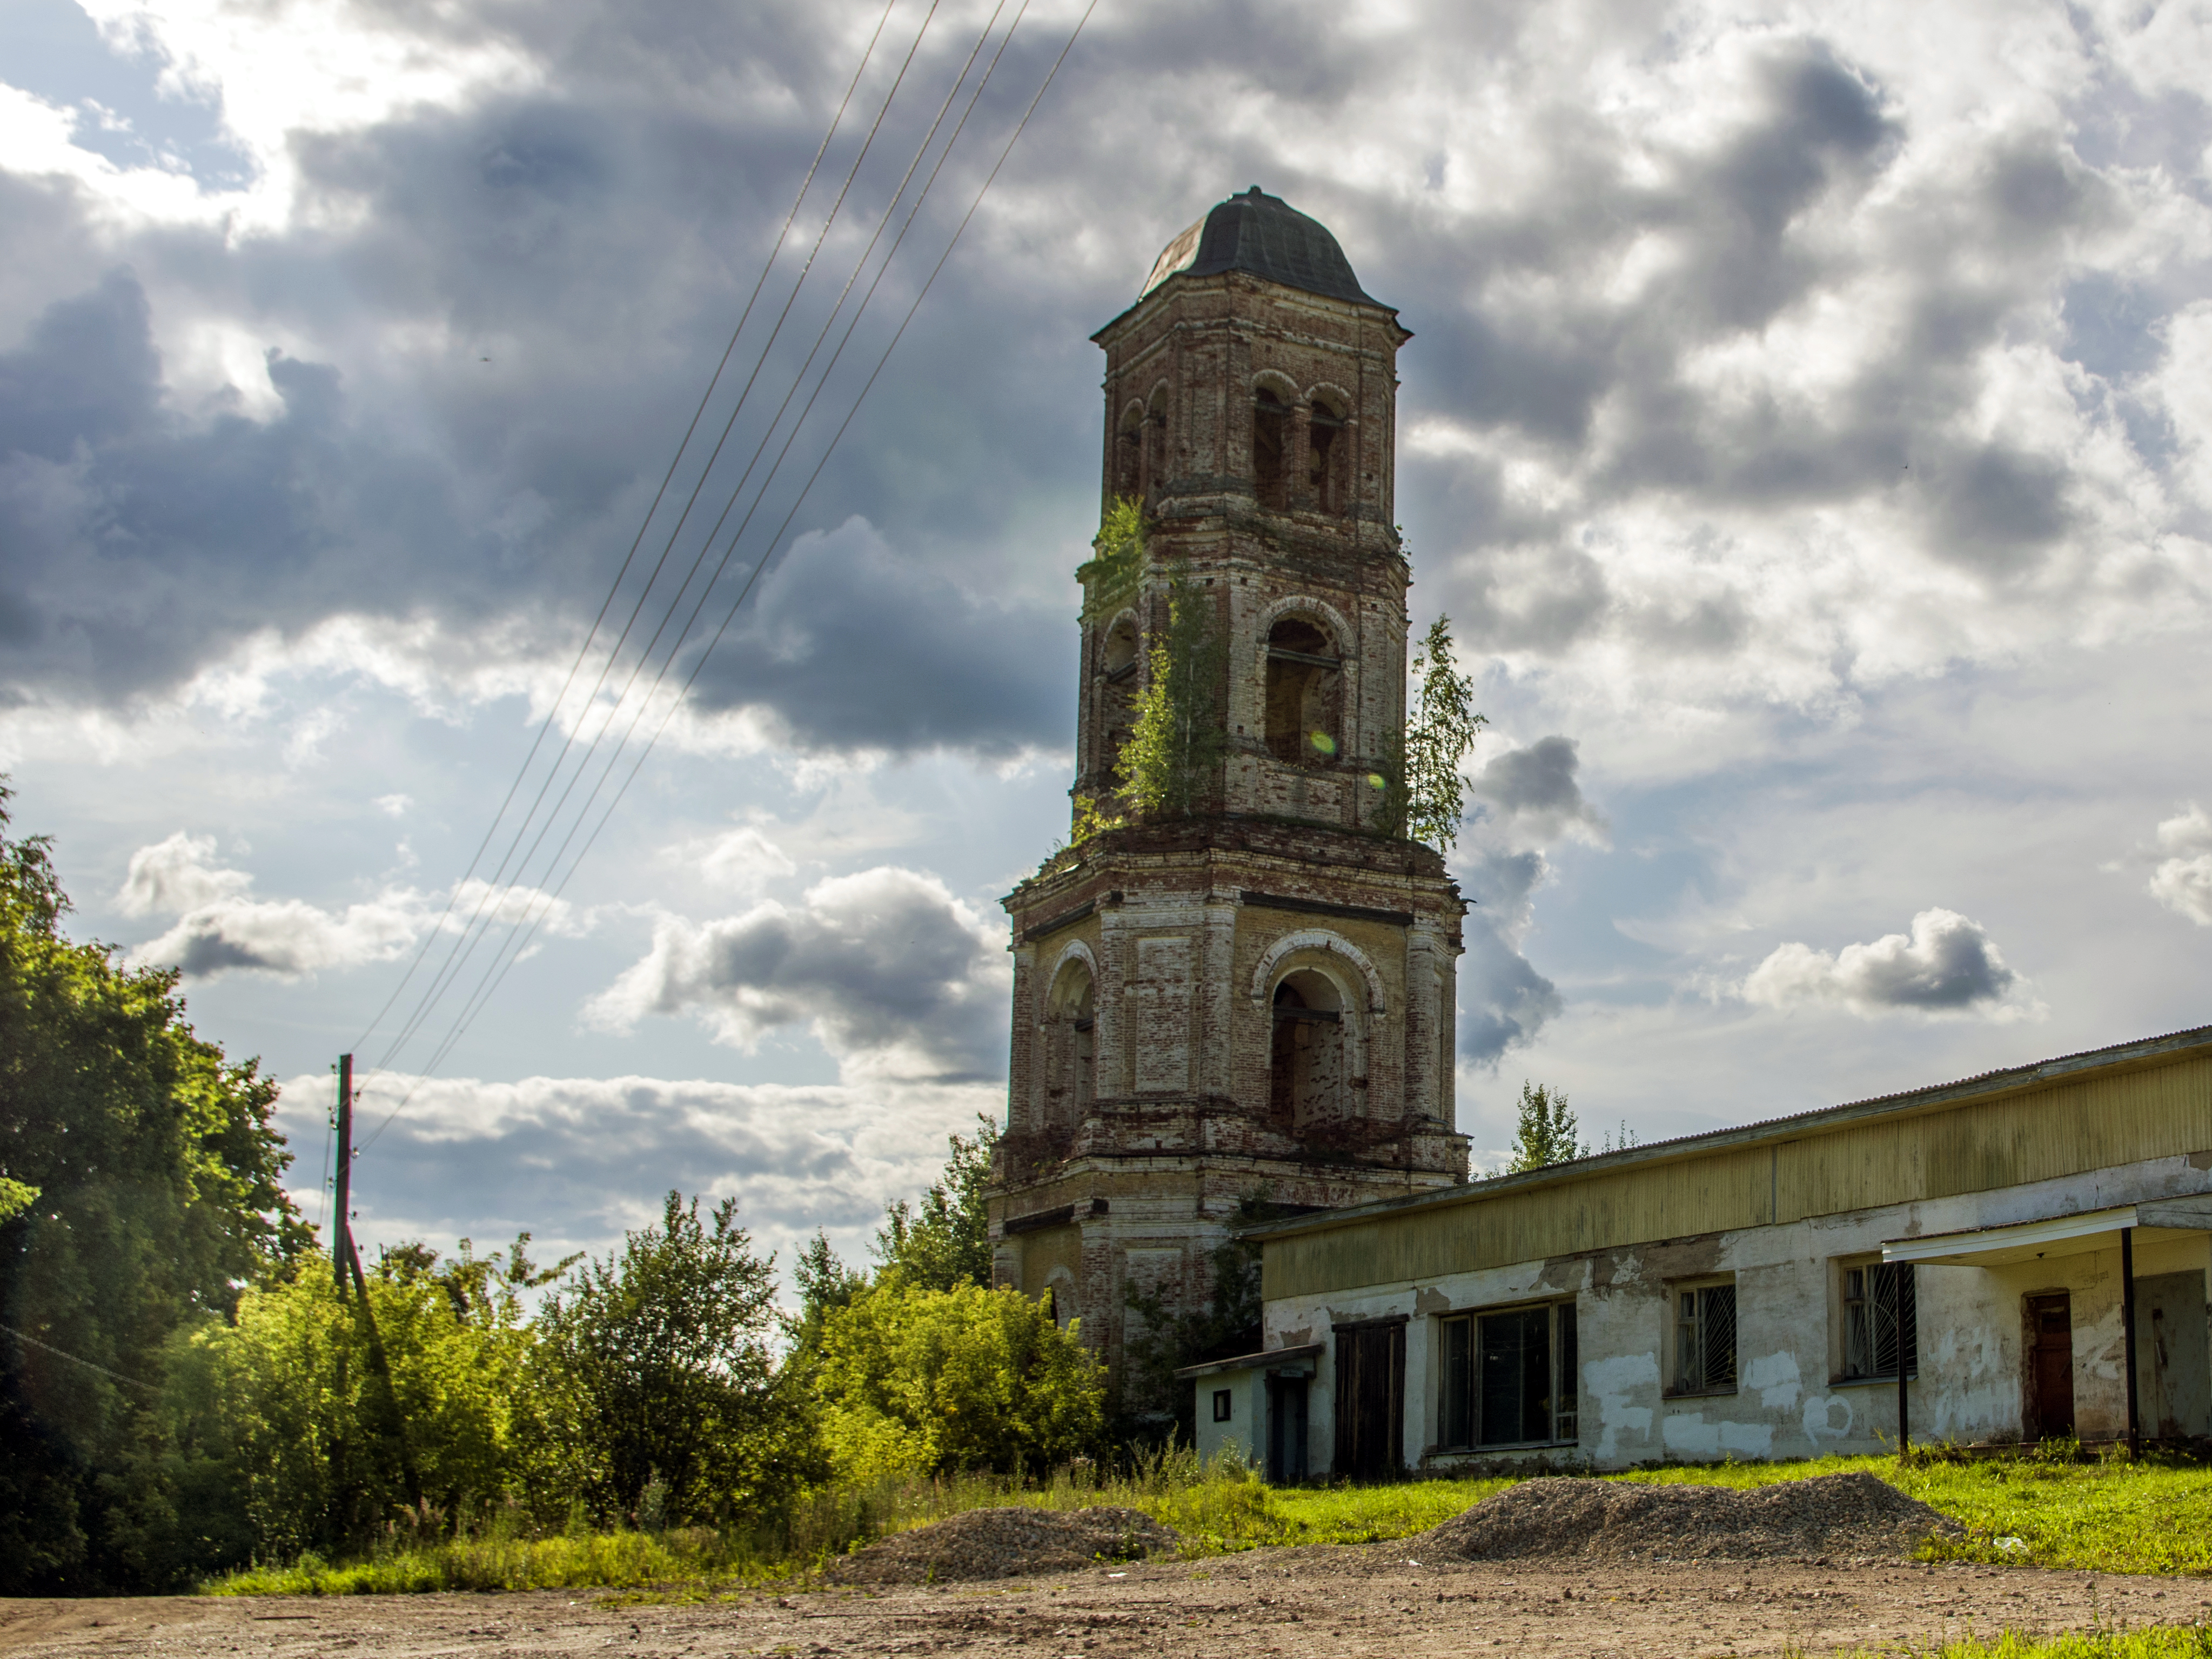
(342, 1230)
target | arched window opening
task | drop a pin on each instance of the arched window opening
(1156, 445)
(1271, 433)
(1306, 1080)
(1304, 676)
(1071, 1059)
(1129, 455)
(1328, 446)
(1117, 667)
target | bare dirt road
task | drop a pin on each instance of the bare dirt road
(1327, 1603)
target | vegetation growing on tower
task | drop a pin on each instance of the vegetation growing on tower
(1166, 768)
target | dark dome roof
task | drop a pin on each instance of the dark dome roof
(1266, 236)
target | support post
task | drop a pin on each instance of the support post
(2128, 1336)
(1897, 1273)
(341, 1232)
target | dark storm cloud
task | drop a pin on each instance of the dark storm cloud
(1504, 1001)
(1534, 794)
(576, 250)
(852, 645)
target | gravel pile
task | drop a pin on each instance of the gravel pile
(1565, 1519)
(1007, 1543)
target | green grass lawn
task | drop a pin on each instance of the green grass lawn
(2150, 1516)
(2162, 1644)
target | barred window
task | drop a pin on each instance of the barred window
(1880, 1313)
(1509, 1378)
(1704, 1339)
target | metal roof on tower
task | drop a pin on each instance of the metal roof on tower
(1266, 236)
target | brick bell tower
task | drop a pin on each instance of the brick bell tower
(1255, 998)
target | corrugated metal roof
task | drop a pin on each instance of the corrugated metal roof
(1983, 1084)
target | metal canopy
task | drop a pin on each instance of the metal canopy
(2152, 1220)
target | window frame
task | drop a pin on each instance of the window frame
(1840, 1374)
(1677, 1388)
(1224, 1405)
(1565, 1367)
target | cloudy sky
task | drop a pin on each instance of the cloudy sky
(1809, 430)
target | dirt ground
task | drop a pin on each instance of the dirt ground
(1327, 1603)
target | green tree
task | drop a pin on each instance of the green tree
(655, 1365)
(824, 1284)
(917, 1379)
(1547, 1133)
(1440, 729)
(156, 1167)
(1166, 767)
(945, 1240)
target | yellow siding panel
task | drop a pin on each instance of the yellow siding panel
(2065, 1127)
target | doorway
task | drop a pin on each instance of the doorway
(1286, 1431)
(1370, 1400)
(2050, 1365)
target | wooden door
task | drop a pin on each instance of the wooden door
(1370, 1400)
(2050, 1365)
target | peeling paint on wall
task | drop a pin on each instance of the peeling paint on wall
(1775, 1378)
(1614, 1384)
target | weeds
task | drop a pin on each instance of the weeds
(2149, 1515)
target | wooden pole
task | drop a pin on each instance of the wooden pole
(341, 1233)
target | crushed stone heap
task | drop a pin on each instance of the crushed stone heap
(1007, 1543)
(1570, 1519)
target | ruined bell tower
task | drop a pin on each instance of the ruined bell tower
(1252, 994)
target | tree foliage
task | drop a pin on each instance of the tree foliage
(918, 1380)
(1547, 1131)
(655, 1367)
(1440, 729)
(156, 1170)
(1167, 765)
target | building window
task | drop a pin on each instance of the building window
(1704, 1339)
(1071, 1059)
(1327, 445)
(1303, 675)
(1223, 1404)
(1271, 435)
(1880, 1308)
(1511, 1378)
(1306, 1059)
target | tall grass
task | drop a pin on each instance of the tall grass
(2193, 1642)
(2149, 1516)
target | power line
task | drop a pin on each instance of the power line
(496, 972)
(58, 1353)
(440, 980)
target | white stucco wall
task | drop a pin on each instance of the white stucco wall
(1789, 1401)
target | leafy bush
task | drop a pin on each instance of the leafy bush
(921, 1380)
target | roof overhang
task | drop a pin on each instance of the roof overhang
(1269, 1359)
(2152, 1221)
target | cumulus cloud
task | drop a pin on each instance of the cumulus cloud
(2182, 880)
(220, 927)
(1947, 964)
(895, 976)
(223, 929)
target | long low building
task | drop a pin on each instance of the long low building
(1988, 1261)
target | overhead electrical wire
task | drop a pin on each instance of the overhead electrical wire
(429, 996)
(458, 958)
(540, 905)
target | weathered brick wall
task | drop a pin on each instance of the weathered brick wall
(1187, 928)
